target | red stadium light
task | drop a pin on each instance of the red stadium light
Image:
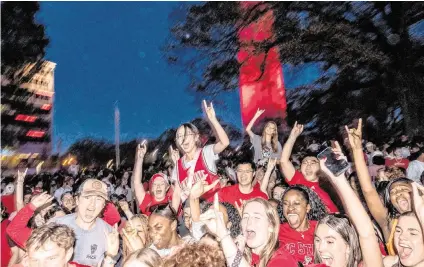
(46, 107)
(36, 134)
(26, 118)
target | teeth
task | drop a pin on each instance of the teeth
(404, 246)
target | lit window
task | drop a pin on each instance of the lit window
(26, 118)
(46, 107)
(36, 134)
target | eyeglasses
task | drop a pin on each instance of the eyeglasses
(181, 136)
(244, 171)
(310, 162)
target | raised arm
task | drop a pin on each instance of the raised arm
(220, 134)
(139, 191)
(418, 202)
(376, 207)
(19, 196)
(286, 166)
(269, 169)
(258, 113)
(367, 239)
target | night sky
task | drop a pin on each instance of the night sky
(108, 52)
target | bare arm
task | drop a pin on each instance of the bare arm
(269, 170)
(377, 209)
(19, 196)
(176, 197)
(139, 191)
(220, 134)
(252, 122)
(367, 239)
(286, 166)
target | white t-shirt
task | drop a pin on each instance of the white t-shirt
(415, 169)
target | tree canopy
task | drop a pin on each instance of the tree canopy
(370, 54)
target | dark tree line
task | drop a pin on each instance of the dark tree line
(371, 61)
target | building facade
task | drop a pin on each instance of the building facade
(27, 115)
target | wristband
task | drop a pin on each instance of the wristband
(237, 259)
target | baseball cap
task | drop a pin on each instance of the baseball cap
(93, 187)
(157, 176)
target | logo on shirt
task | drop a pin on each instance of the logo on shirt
(93, 248)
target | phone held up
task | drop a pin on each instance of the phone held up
(335, 165)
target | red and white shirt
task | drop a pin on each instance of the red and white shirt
(232, 194)
(298, 244)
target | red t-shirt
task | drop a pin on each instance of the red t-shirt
(403, 163)
(298, 178)
(278, 259)
(299, 245)
(150, 201)
(9, 202)
(6, 253)
(232, 194)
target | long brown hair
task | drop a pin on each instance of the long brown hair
(272, 245)
(274, 137)
(343, 227)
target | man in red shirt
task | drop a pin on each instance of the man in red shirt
(308, 169)
(394, 157)
(244, 190)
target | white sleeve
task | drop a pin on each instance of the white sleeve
(197, 230)
(210, 157)
(411, 172)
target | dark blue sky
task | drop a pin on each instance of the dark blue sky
(110, 51)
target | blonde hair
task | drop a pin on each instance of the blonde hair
(274, 137)
(272, 244)
(146, 256)
(61, 235)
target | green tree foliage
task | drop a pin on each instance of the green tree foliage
(371, 57)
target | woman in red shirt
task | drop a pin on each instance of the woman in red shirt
(301, 210)
(260, 227)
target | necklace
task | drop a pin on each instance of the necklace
(302, 232)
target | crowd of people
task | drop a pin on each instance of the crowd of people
(277, 206)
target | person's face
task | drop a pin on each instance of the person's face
(245, 174)
(270, 129)
(187, 218)
(186, 139)
(397, 152)
(138, 225)
(310, 168)
(10, 188)
(370, 149)
(89, 207)
(400, 196)
(68, 201)
(277, 193)
(331, 248)
(295, 209)
(159, 188)
(255, 225)
(3, 186)
(404, 138)
(48, 255)
(409, 241)
(161, 230)
(27, 198)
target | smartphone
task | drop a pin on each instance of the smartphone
(336, 166)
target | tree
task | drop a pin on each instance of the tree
(371, 61)
(23, 42)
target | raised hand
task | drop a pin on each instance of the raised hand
(338, 151)
(124, 205)
(173, 154)
(418, 195)
(209, 110)
(132, 239)
(355, 136)
(22, 175)
(214, 219)
(328, 172)
(112, 241)
(297, 130)
(240, 242)
(141, 150)
(201, 186)
(41, 199)
(271, 164)
(240, 207)
(259, 112)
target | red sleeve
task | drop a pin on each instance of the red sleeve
(146, 204)
(297, 179)
(18, 230)
(111, 214)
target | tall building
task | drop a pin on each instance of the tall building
(27, 115)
